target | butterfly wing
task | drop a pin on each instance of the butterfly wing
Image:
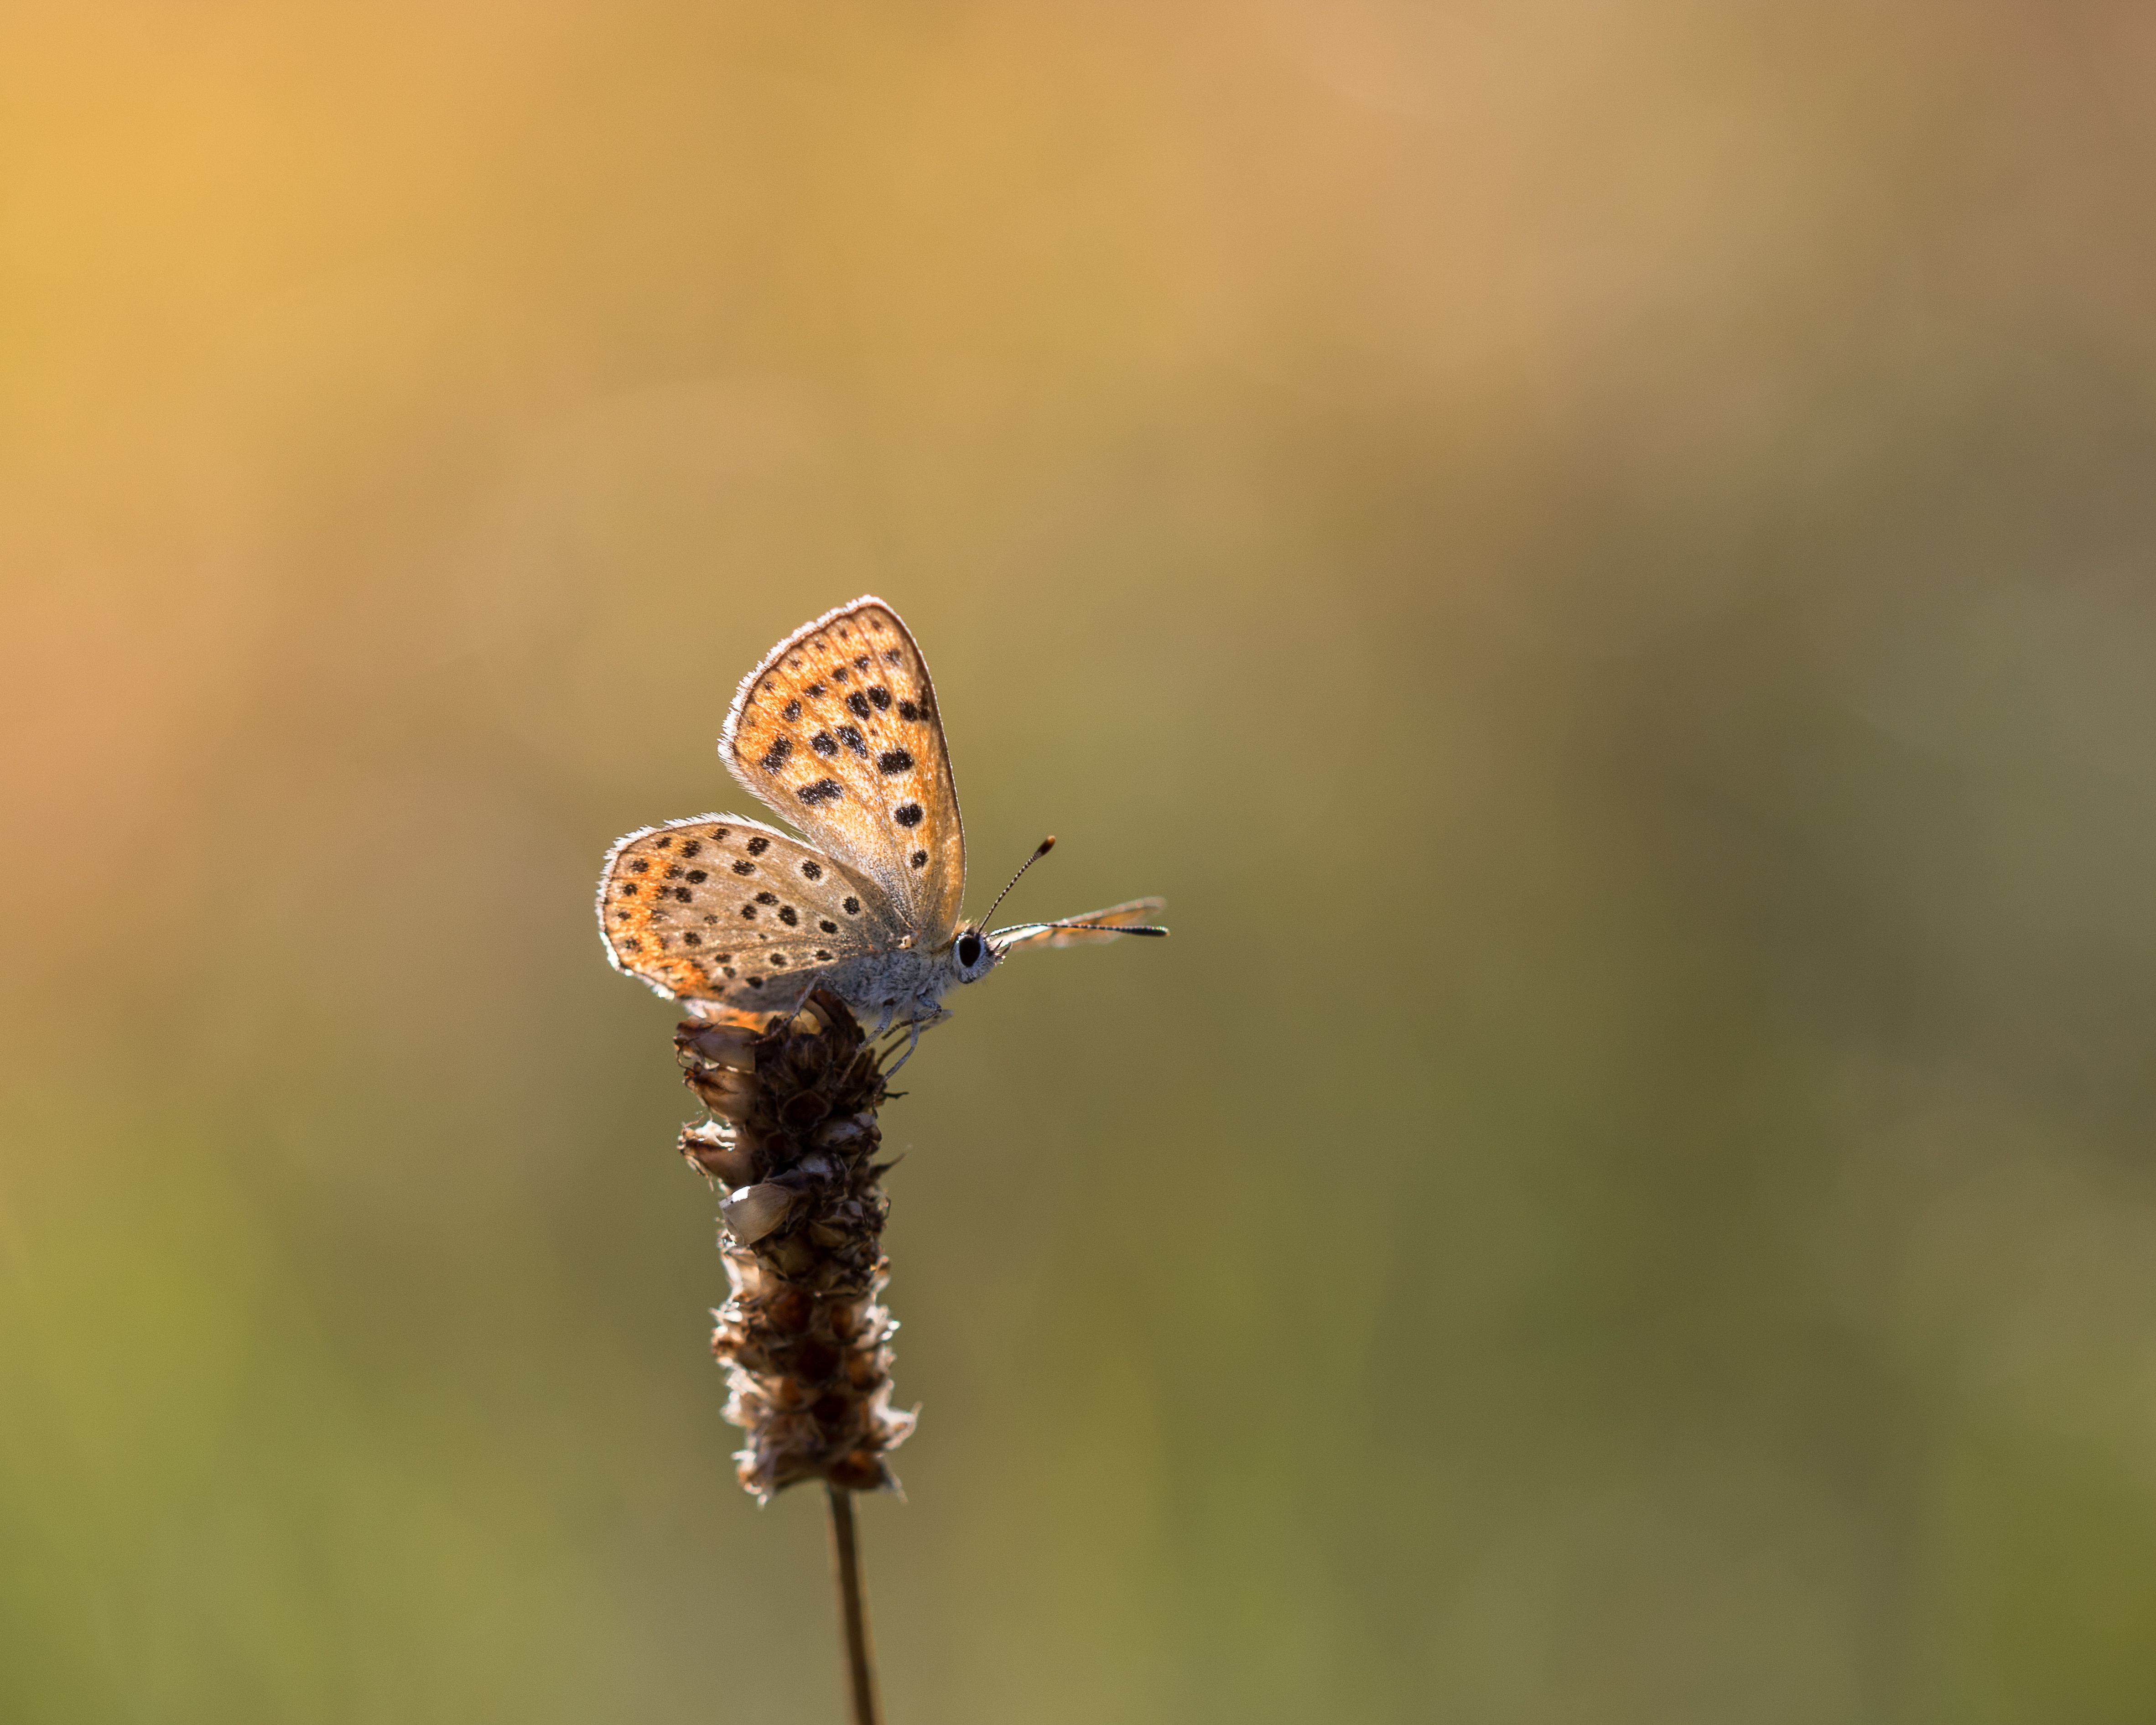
(837, 730)
(1135, 916)
(721, 908)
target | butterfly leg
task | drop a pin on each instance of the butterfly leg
(924, 1021)
(912, 1043)
(794, 1011)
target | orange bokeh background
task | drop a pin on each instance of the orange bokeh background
(1600, 557)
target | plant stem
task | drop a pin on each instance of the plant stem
(853, 1609)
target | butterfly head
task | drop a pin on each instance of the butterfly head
(976, 952)
(973, 955)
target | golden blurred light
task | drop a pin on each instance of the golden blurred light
(1597, 554)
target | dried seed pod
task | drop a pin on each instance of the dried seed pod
(728, 1094)
(755, 1210)
(793, 1254)
(722, 1045)
(843, 1134)
(804, 1339)
(726, 1153)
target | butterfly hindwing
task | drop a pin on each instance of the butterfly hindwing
(838, 730)
(721, 908)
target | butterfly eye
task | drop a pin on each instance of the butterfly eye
(969, 951)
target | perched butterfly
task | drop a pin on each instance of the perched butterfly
(837, 730)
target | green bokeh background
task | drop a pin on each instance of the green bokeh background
(1600, 556)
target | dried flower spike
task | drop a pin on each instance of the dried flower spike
(806, 1344)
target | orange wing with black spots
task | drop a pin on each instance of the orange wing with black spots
(720, 908)
(838, 731)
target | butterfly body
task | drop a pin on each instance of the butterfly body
(838, 729)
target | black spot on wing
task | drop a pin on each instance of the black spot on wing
(790, 711)
(892, 761)
(744, 867)
(907, 814)
(823, 745)
(919, 860)
(858, 704)
(825, 790)
(880, 697)
(852, 739)
(757, 845)
(811, 870)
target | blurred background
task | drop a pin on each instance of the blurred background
(1599, 555)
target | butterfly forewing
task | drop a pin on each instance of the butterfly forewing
(838, 731)
(1136, 913)
(719, 908)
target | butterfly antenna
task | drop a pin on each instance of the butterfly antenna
(1046, 845)
(1102, 927)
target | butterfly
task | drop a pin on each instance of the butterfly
(838, 730)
